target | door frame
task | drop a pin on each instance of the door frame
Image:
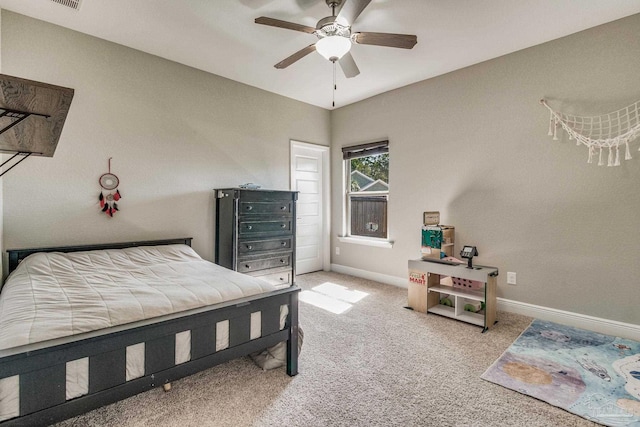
(326, 193)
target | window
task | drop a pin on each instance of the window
(367, 189)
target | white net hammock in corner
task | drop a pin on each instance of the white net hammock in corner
(600, 133)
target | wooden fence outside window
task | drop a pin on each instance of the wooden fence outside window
(369, 216)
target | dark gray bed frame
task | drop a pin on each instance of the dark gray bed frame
(42, 372)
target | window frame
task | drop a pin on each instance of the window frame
(349, 153)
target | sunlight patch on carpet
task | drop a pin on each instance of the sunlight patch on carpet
(340, 292)
(332, 297)
(592, 375)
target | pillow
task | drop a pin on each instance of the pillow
(275, 356)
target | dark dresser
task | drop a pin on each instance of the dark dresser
(256, 233)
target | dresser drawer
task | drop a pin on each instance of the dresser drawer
(282, 207)
(281, 279)
(247, 265)
(271, 226)
(251, 246)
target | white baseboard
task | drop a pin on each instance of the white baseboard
(597, 324)
(369, 275)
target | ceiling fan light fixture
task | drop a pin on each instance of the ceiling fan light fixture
(333, 47)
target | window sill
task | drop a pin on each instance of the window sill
(366, 241)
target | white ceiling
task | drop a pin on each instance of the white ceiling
(221, 37)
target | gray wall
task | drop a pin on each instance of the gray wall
(174, 133)
(473, 145)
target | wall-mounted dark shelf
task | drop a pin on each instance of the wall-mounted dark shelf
(18, 115)
(20, 99)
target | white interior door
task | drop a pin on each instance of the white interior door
(309, 173)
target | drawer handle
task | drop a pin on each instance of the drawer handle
(282, 279)
(283, 208)
(249, 208)
(282, 261)
(247, 266)
(283, 225)
(283, 243)
(249, 227)
(249, 247)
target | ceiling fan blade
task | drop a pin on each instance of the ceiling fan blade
(284, 24)
(296, 56)
(348, 65)
(404, 41)
(351, 10)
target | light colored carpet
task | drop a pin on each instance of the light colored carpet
(376, 364)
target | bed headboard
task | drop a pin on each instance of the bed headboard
(17, 255)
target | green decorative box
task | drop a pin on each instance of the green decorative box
(437, 241)
(431, 237)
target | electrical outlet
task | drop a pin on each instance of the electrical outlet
(511, 278)
(337, 250)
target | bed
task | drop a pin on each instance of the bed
(109, 350)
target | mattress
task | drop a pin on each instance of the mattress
(53, 295)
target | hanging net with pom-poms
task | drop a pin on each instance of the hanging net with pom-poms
(600, 133)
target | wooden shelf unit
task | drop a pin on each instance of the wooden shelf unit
(425, 291)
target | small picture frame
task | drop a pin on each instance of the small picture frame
(431, 218)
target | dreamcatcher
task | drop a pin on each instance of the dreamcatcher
(109, 182)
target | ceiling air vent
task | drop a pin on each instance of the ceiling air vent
(73, 4)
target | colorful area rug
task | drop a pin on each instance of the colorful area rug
(591, 375)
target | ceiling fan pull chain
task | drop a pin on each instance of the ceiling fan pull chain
(334, 84)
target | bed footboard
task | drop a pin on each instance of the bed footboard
(41, 375)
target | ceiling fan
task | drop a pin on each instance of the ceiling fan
(336, 37)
